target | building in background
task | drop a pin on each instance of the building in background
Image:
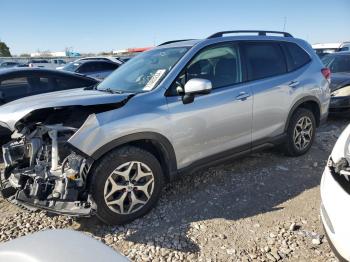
(55, 54)
(128, 51)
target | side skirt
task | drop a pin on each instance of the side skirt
(231, 154)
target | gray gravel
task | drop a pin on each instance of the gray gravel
(264, 207)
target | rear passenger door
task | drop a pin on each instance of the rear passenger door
(272, 86)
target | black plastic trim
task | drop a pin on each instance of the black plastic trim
(298, 103)
(259, 32)
(230, 154)
(159, 140)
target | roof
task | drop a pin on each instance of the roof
(233, 35)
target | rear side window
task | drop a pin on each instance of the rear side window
(264, 59)
(296, 56)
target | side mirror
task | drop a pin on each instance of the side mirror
(194, 87)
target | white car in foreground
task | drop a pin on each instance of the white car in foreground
(335, 196)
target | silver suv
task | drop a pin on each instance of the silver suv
(108, 150)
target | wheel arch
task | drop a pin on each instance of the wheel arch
(155, 143)
(308, 102)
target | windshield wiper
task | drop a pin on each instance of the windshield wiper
(112, 91)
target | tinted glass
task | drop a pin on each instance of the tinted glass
(337, 63)
(220, 65)
(264, 60)
(107, 66)
(39, 85)
(14, 88)
(70, 83)
(88, 67)
(72, 66)
(297, 57)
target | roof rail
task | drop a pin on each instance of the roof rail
(175, 41)
(259, 32)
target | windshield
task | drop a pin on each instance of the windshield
(144, 72)
(337, 63)
(72, 66)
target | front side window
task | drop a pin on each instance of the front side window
(144, 72)
(221, 64)
(108, 66)
(72, 66)
(264, 59)
(88, 67)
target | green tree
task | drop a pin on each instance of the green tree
(4, 50)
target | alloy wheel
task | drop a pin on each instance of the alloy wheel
(129, 187)
(303, 131)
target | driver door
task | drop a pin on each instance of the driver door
(218, 122)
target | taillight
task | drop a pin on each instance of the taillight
(326, 72)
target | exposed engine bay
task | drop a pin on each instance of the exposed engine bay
(42, 170)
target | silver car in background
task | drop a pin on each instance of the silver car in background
(108, 150)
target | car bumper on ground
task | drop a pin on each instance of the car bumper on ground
(335, 214)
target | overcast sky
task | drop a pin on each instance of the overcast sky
(103, 25)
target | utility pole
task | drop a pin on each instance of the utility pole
(284, 24)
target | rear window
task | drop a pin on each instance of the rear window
(296, 56)
(264, 59)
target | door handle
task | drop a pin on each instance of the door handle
(293, 83)
(242, 96)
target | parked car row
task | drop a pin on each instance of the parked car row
(97, 67)
(94, 67)
(108, 149)
(329, 48)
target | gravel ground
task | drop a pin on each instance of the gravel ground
(264, 207)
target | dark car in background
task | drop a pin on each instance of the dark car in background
(16, 83)
(94, 67)
(339, 64)
(10, 64)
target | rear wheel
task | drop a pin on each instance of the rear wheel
(126, 184)
(300, 132)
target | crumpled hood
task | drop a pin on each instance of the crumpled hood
(11, 112)
(339, 80)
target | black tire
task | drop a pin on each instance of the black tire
(107, 165)
(289, 147)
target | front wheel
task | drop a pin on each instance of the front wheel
(126, 184)
(300, 132)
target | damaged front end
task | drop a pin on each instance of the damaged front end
(41, 171)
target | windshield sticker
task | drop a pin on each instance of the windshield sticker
(154, 80)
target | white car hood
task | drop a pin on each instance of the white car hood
(12, 112)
